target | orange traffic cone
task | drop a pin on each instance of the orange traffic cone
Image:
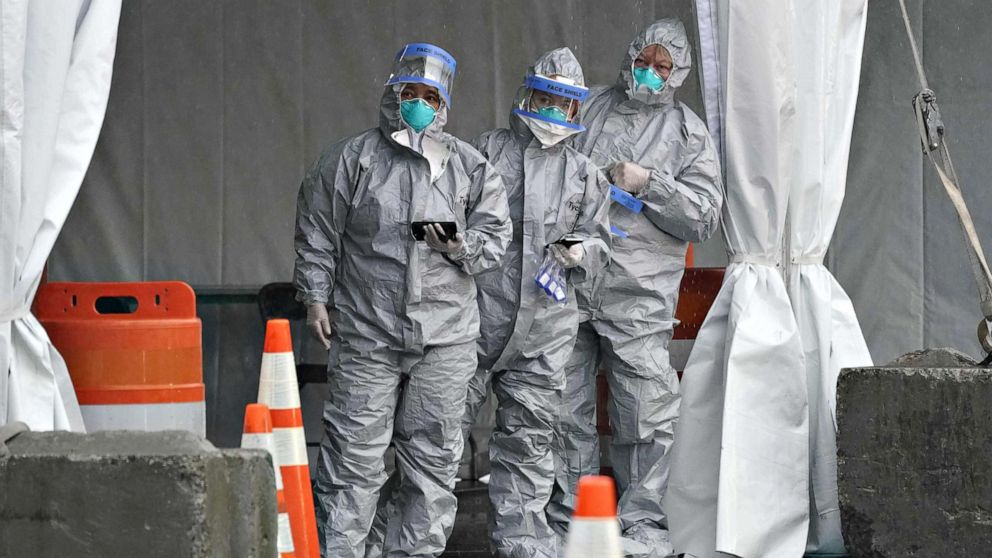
(594, 531)
(278, 389)
(258, 435)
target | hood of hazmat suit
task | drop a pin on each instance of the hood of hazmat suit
(399, 309)
(669, 33)
(549, 104)
(630, 305)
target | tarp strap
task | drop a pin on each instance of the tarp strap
(814, 259)
(16, 314)
(912, 45)
(755, 260)
(979, 265)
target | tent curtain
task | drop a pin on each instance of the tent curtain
(758, 390)
(829, 42)
(56, 59)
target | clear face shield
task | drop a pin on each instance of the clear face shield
(554, 99)
(427, 64)
(550, 107)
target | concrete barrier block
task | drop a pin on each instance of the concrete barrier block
(118, 494)
(915, 457)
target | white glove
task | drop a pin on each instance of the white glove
(630, 177)
(319, 324)
(568, 257)
(453, 247)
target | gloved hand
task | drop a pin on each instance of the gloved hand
(568, 257)
(453, 247)
(630, 177)
(319, 323)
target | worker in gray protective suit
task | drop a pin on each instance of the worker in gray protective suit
(404, 320)
(555, 193)
(658, 151)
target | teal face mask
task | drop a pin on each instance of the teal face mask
(648, 78)
(417, 113)
(553, 113)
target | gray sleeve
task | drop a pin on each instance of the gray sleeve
(687, 204)
(321, 212)
(481, 143)
(594, 223)
(487, 218)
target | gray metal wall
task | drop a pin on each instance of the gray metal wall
(898, 249)
(217, 107)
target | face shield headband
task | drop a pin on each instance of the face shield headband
(576, 93)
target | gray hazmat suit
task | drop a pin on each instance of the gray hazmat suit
(405, 320)
(526, 337)
(628, 310)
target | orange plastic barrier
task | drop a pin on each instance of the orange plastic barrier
(697, 292)
(133, 351)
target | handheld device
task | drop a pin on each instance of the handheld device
(419, 229)
(569, 241)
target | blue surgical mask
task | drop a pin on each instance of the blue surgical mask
(553, 113)
(417, 113)
(649, 79)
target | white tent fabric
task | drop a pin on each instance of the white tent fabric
(829, 42)
(749, 440)
(56, 59)
(741, 442)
